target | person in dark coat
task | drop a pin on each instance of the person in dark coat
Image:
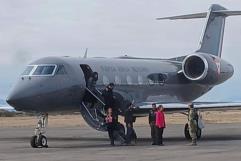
(111, 124)
(108, 96)
(129, 120)
(152, 122)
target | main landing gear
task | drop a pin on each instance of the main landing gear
(39, 140)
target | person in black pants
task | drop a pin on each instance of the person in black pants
(129, 120)
(152, 122)
(111, 123)
(108, 96)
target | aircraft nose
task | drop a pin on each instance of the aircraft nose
(18, 98)
(8, 100)
(13, 99)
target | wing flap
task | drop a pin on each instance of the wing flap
(144, 108)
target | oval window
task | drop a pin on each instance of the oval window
(140, 80)
(105, 80)
(117, 80)
(129, 80)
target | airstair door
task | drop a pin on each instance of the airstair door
(92, 106)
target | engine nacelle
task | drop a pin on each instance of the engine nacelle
(206, 69)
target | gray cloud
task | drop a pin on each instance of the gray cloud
(21, 57)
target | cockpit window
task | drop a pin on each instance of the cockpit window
(61, 70)
(28, 70)
(44, 70)
(40, 70)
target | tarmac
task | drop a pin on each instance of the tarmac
(220, 142)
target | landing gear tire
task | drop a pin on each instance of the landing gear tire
(42, 141)
(33, 141)
(187, 134)
(39, 140)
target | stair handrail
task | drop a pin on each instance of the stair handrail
(95, 95)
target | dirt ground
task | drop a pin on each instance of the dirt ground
(76, 120)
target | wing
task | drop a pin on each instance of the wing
(142, 109)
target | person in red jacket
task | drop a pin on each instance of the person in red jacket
(160, 124)
(110, 121)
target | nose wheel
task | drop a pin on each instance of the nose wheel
(39, 140)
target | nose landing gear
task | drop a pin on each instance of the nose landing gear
(39, 140)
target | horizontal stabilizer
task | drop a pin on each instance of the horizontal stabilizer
(189, 16)
(228, 13)
(212, 37)
(202, 15)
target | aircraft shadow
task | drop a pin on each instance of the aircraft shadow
(170, 139)
(94, 142)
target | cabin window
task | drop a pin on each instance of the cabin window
(151, 82)
(157, 78)
(28, 70)
(44, 70)
(129, 80)
(117, 80)
(140, 80)
(105, 80)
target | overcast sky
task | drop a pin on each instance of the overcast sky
(33, 29)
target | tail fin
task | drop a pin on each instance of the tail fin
(212, 36)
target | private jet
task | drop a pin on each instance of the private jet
(57, 84)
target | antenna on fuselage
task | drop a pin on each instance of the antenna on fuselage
(86, 53)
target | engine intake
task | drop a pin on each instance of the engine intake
(206, 69)
(195, 67)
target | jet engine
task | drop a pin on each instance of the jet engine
(206, 68)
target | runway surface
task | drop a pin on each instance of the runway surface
(220, 142)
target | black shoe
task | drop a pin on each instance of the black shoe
(153, 144)
(128, 144)
(161, 144)
(193, 144)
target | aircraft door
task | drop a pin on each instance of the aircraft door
(92, 105)
(90, 76)
(90, 80)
